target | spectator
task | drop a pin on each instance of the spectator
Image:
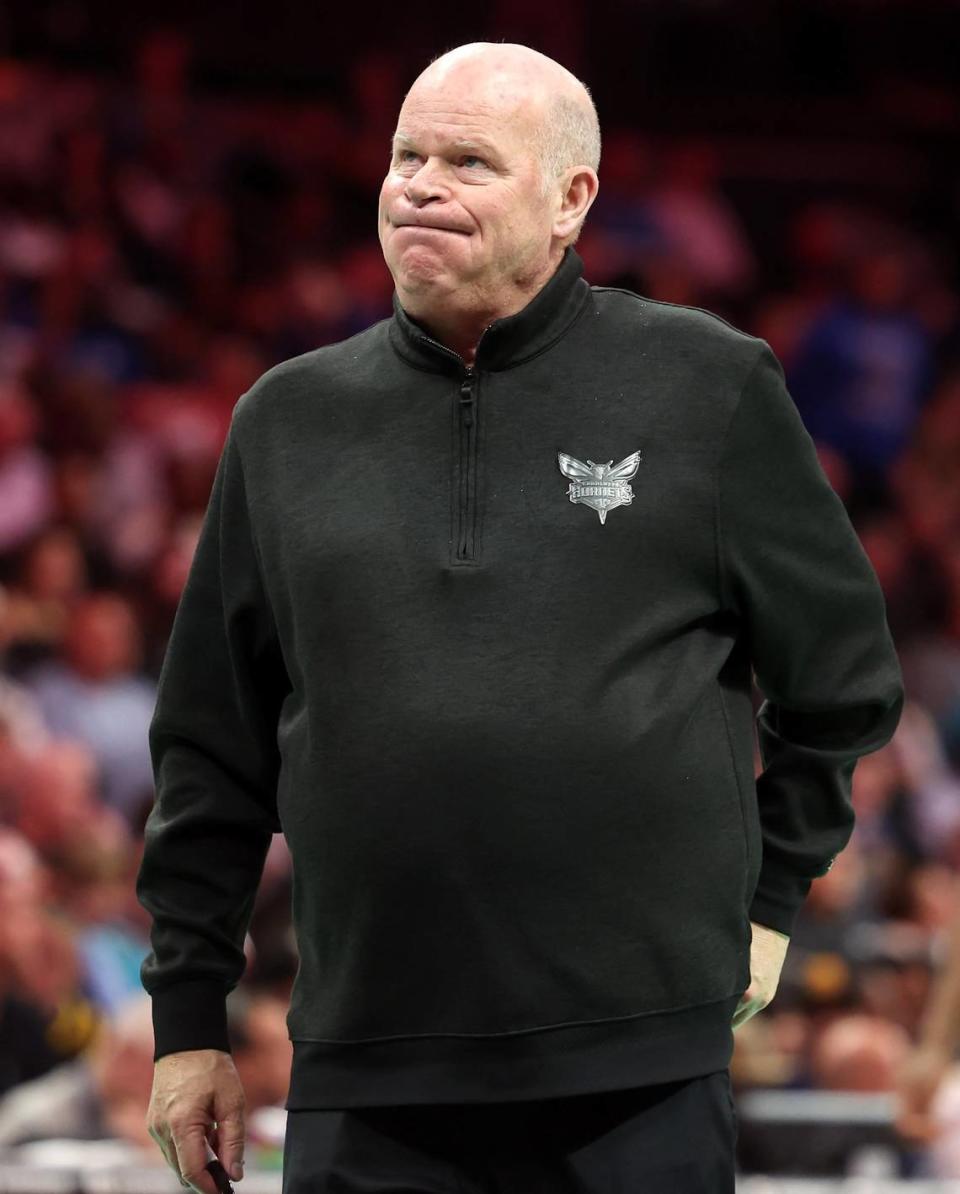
(865, 367)
(98, 1095)
(26, 490)
(102, 1093)
(94, 694)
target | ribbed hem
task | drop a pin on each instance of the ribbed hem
(190, 1015)
(544, 1063)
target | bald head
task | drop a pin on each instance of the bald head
(493, 169)
(554, 108)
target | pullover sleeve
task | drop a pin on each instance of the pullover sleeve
(215, 759)
(793, 569)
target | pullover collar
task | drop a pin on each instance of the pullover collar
(505, 342)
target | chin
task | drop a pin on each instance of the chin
(417, 270)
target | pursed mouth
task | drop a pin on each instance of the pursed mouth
(433, 228)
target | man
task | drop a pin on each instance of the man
(471, 620)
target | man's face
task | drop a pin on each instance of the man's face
(461, 209)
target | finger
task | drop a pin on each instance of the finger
(229, 1146)
(166, 1148)
(918, 1127)
(220, 1177)
(192, 1160)
(220, 1164)
(171, 1159)
(913, 1102)
(212, 1147)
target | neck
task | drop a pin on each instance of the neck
(460, 328)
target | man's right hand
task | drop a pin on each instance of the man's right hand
(197, 1097)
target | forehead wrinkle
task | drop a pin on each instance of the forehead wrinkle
(510, 115)
(468, 143)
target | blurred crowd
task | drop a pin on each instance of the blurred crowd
(159, 250)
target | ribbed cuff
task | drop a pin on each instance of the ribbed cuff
(190, 1015)
(777, 901)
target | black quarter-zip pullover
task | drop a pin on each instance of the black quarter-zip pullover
(478, 642)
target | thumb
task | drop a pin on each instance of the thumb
(230, 1142)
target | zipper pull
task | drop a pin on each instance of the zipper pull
(466, 398)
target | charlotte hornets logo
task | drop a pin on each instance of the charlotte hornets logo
(602, 487)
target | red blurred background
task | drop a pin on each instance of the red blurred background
(185, 203)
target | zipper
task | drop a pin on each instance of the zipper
(466, 548)
(467, 505)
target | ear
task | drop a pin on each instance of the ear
(580, 186)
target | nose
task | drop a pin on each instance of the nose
(426, 184)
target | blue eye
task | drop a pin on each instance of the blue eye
(404, 154)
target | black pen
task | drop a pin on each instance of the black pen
(219, 1175)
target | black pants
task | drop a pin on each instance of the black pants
(670, 1138)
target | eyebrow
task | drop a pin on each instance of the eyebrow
(463, 144)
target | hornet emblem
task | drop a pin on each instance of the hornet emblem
(600, 486)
